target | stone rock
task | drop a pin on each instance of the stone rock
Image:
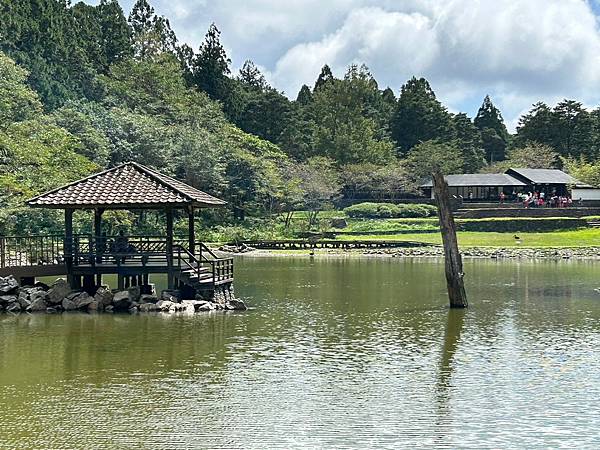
(236, 305)
(171, 295)
(40, 285)
(6, 299)
(95, 306)
(148, 299)
(121, 300)
(73, 295)
(109, 309)
(8, 285)
(134, 293)
(14, 307)
(68, 304)
(58, 290)
(104, 296)
(189, 308)
(83, 300)
(177, 307)
(133, 309)
(148, 307)
(205, 307)
(51, 310)
(164, 305)
(339, 222)
(37, 305)
(37, 295)
(23, 299)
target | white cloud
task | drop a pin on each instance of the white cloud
(515, 50)
(519, 51)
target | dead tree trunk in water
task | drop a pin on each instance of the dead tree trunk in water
(453, 260)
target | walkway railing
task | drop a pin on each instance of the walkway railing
(220, 269)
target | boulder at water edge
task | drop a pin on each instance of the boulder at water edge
(58, 290)
(121, 300)
(104, 296)
(8, 285)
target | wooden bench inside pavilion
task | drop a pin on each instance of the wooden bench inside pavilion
(84, 258)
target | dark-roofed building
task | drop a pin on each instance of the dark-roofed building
(546, 180)
(479, 186)
(488, 186)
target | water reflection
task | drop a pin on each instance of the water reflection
(340, 353)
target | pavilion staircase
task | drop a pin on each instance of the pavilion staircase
(204, 271)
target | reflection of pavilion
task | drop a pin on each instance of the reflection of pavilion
(85, 258)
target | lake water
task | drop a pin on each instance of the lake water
(335, 352)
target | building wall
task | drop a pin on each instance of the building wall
(585, 194)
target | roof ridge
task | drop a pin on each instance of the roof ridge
(156, 176)
(89, 177)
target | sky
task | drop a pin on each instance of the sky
(517, 51)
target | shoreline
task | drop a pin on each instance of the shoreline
(549, 253)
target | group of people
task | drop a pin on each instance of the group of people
(540, 199)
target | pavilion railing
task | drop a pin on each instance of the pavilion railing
(219, 269)
(93, 250)
(85, 249)
(32, 250)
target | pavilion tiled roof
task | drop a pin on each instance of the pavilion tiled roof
(129, 185)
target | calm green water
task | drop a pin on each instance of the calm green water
(335, 353)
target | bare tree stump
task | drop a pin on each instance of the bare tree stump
(453, 260)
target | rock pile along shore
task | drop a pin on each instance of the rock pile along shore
(489, 252)
(58, 298)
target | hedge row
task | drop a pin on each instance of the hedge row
(389, 210)
(524, 225)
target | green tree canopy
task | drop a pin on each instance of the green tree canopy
(493, 131)
(419, 116)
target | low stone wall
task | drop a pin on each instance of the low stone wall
(493, 253)
(485, 213)
(58, 298)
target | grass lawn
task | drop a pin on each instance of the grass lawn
(585, 237)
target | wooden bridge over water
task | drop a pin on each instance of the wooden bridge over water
(85, 258)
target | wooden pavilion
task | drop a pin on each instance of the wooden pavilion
(85, 258)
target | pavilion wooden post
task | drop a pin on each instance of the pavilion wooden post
(68, 246)
(453, 260)
(191, 231)
(170, 276)
(100, 241)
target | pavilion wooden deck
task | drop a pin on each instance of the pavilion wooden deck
(85, 259)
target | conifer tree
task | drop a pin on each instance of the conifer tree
(304, 96)
(493, 131)
(251, 77)
(419, 116)
(325, 77)
(211, 65)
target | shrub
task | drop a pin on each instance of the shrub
(369, 210)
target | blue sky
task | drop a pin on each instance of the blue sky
(518, 51)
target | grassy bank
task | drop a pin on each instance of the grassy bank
(587, 237)
(497, 232)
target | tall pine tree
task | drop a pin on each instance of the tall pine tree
(325, 77)
(419, 116)
(493, 131)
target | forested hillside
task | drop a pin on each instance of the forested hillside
(87, 87)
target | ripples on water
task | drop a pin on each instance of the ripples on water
(336, 353)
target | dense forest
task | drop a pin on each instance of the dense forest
(87, 87)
